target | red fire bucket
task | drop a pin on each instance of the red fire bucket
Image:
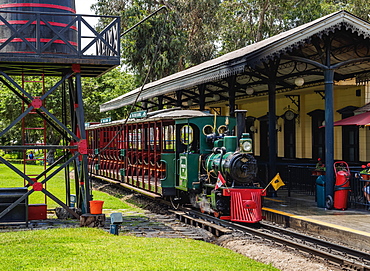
(96, 207)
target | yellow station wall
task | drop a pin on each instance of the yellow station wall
(344, 95)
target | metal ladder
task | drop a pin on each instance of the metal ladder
(34, 129)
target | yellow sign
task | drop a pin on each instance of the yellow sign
(277, 182)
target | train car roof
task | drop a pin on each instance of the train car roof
(170, 114)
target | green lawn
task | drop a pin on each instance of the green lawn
(56, 185)
(95, 249)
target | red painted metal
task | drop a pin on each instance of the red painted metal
(245, 204)
(37, 5)
(342, 185)
(143, 144)
(36, 103)
(41, 40)
(15, 22)
(82, 146)
(37, 186)
(37, 211)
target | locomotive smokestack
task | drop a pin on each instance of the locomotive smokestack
(240, 122)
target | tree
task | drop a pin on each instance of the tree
(244, 22)
(155, 35)
(97, 91)
(187, 34)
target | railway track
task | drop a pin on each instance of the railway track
(342, 257)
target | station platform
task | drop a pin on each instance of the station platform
(300, 212)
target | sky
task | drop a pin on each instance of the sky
(83, 6)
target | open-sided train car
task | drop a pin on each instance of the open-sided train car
(186, 156)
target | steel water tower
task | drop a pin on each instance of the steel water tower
(41, 39)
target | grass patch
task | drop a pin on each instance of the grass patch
(93, 249)
(113, 203)
(56, 185)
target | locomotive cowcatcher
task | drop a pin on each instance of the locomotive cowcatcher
(185, 156)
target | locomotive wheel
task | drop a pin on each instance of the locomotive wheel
(202, 210)
(174, 205)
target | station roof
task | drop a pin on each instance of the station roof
(349, 40)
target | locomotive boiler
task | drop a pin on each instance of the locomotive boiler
(185, 156)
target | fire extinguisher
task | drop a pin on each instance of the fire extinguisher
(341, 188)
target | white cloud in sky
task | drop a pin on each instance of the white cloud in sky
(83, 6)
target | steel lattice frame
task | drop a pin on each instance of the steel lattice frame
(77, 149)
(70, 67)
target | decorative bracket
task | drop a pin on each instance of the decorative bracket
(321, 93)
(296, 100)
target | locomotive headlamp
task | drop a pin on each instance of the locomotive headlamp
(247, 146)
(245, 143)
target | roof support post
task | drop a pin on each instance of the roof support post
(272, 127)
(329, 119)
(329, 131)
(202, 98)
(178, 98)
(231, 87)
(160, 102)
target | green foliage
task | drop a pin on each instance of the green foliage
(94, 249)
(198, 30)
(97, 91)
(187, 33)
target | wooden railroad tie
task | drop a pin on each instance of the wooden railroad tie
(211, 227)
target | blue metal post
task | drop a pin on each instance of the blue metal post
(329, 130)
(272, 129)
(81, 127)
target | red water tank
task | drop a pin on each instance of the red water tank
(341, 187)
